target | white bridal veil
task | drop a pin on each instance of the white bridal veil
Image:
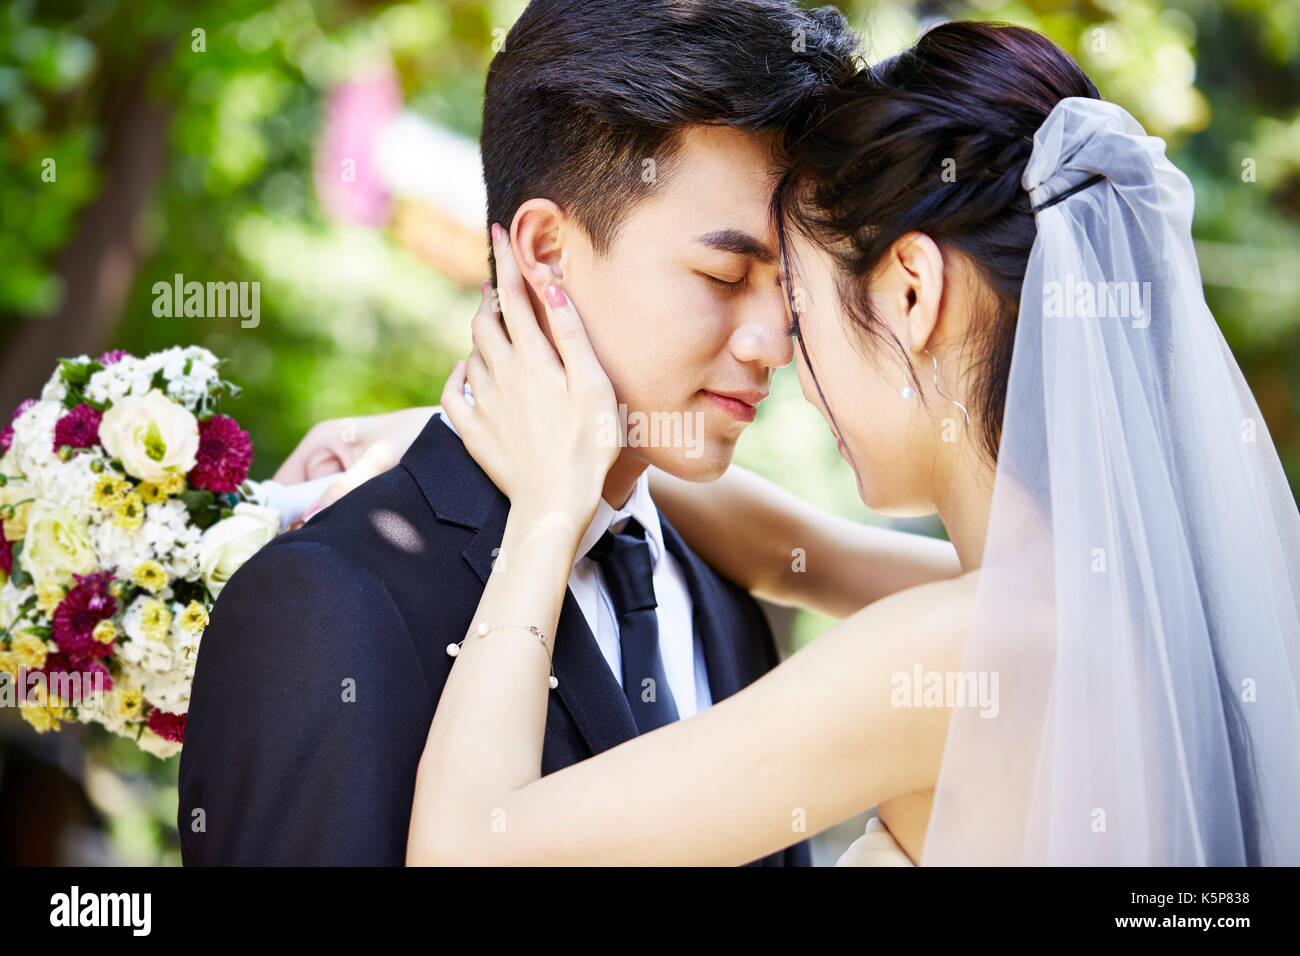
(1139, 592)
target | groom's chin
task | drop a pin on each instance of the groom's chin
(704, 462)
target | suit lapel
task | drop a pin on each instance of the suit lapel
(461, 493)
(589, 689)
(707, 598)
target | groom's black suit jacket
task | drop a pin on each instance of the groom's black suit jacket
(318, 675)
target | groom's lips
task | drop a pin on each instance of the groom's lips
(741, 406)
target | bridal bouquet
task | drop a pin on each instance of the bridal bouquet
(125, 507)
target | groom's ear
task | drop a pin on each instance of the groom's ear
(537, 239)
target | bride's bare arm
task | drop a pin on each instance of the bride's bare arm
(781, 548)
(808, 745)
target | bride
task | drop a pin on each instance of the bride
(1128, 543)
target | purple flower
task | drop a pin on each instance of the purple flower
(224, 457)
(84, 606)
(79, 428)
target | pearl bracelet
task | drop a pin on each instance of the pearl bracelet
(484, 629)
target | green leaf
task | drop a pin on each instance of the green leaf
(202, 506)
(75, 373)
(196, 498)
(186, 591)
(20, 577)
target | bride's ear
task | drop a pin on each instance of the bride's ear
(918, 263)
(537, 240)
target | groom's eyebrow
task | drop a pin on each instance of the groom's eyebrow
(738, 242)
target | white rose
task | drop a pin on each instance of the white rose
(228, 544)
(151, 435)
(56, 545)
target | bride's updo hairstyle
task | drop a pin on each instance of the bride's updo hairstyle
(933, 140)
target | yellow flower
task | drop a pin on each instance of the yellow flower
(173, 484)
(130, 703)
(7, 664)
(155, 620)
(42, 718)
(105, 632)
(28, 650)
(194, 618)
(109, 491)
(153, 494)
(151, 576)
(129, 513)
(43, 712)
(48, 596)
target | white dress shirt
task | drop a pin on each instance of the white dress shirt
(679, 645)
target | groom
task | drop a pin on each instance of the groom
(637, 167)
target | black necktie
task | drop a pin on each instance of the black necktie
(624, 557)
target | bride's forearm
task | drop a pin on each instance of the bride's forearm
(486, 737)
(724, 522)
(785, 550)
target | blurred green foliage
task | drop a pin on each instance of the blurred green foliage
(352, 323)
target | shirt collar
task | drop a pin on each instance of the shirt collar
(639, 505)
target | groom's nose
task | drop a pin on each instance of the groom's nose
(759, 336)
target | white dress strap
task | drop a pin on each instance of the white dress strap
(876, 847)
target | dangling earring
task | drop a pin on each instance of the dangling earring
(940, 390)
(907, 393)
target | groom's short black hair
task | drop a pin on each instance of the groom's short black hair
(584, 91)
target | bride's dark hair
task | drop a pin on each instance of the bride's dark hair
(933, 140)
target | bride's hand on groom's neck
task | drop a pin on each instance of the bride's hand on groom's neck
(538, 425)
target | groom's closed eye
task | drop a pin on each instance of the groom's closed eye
(730, 277)
(727, 287)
